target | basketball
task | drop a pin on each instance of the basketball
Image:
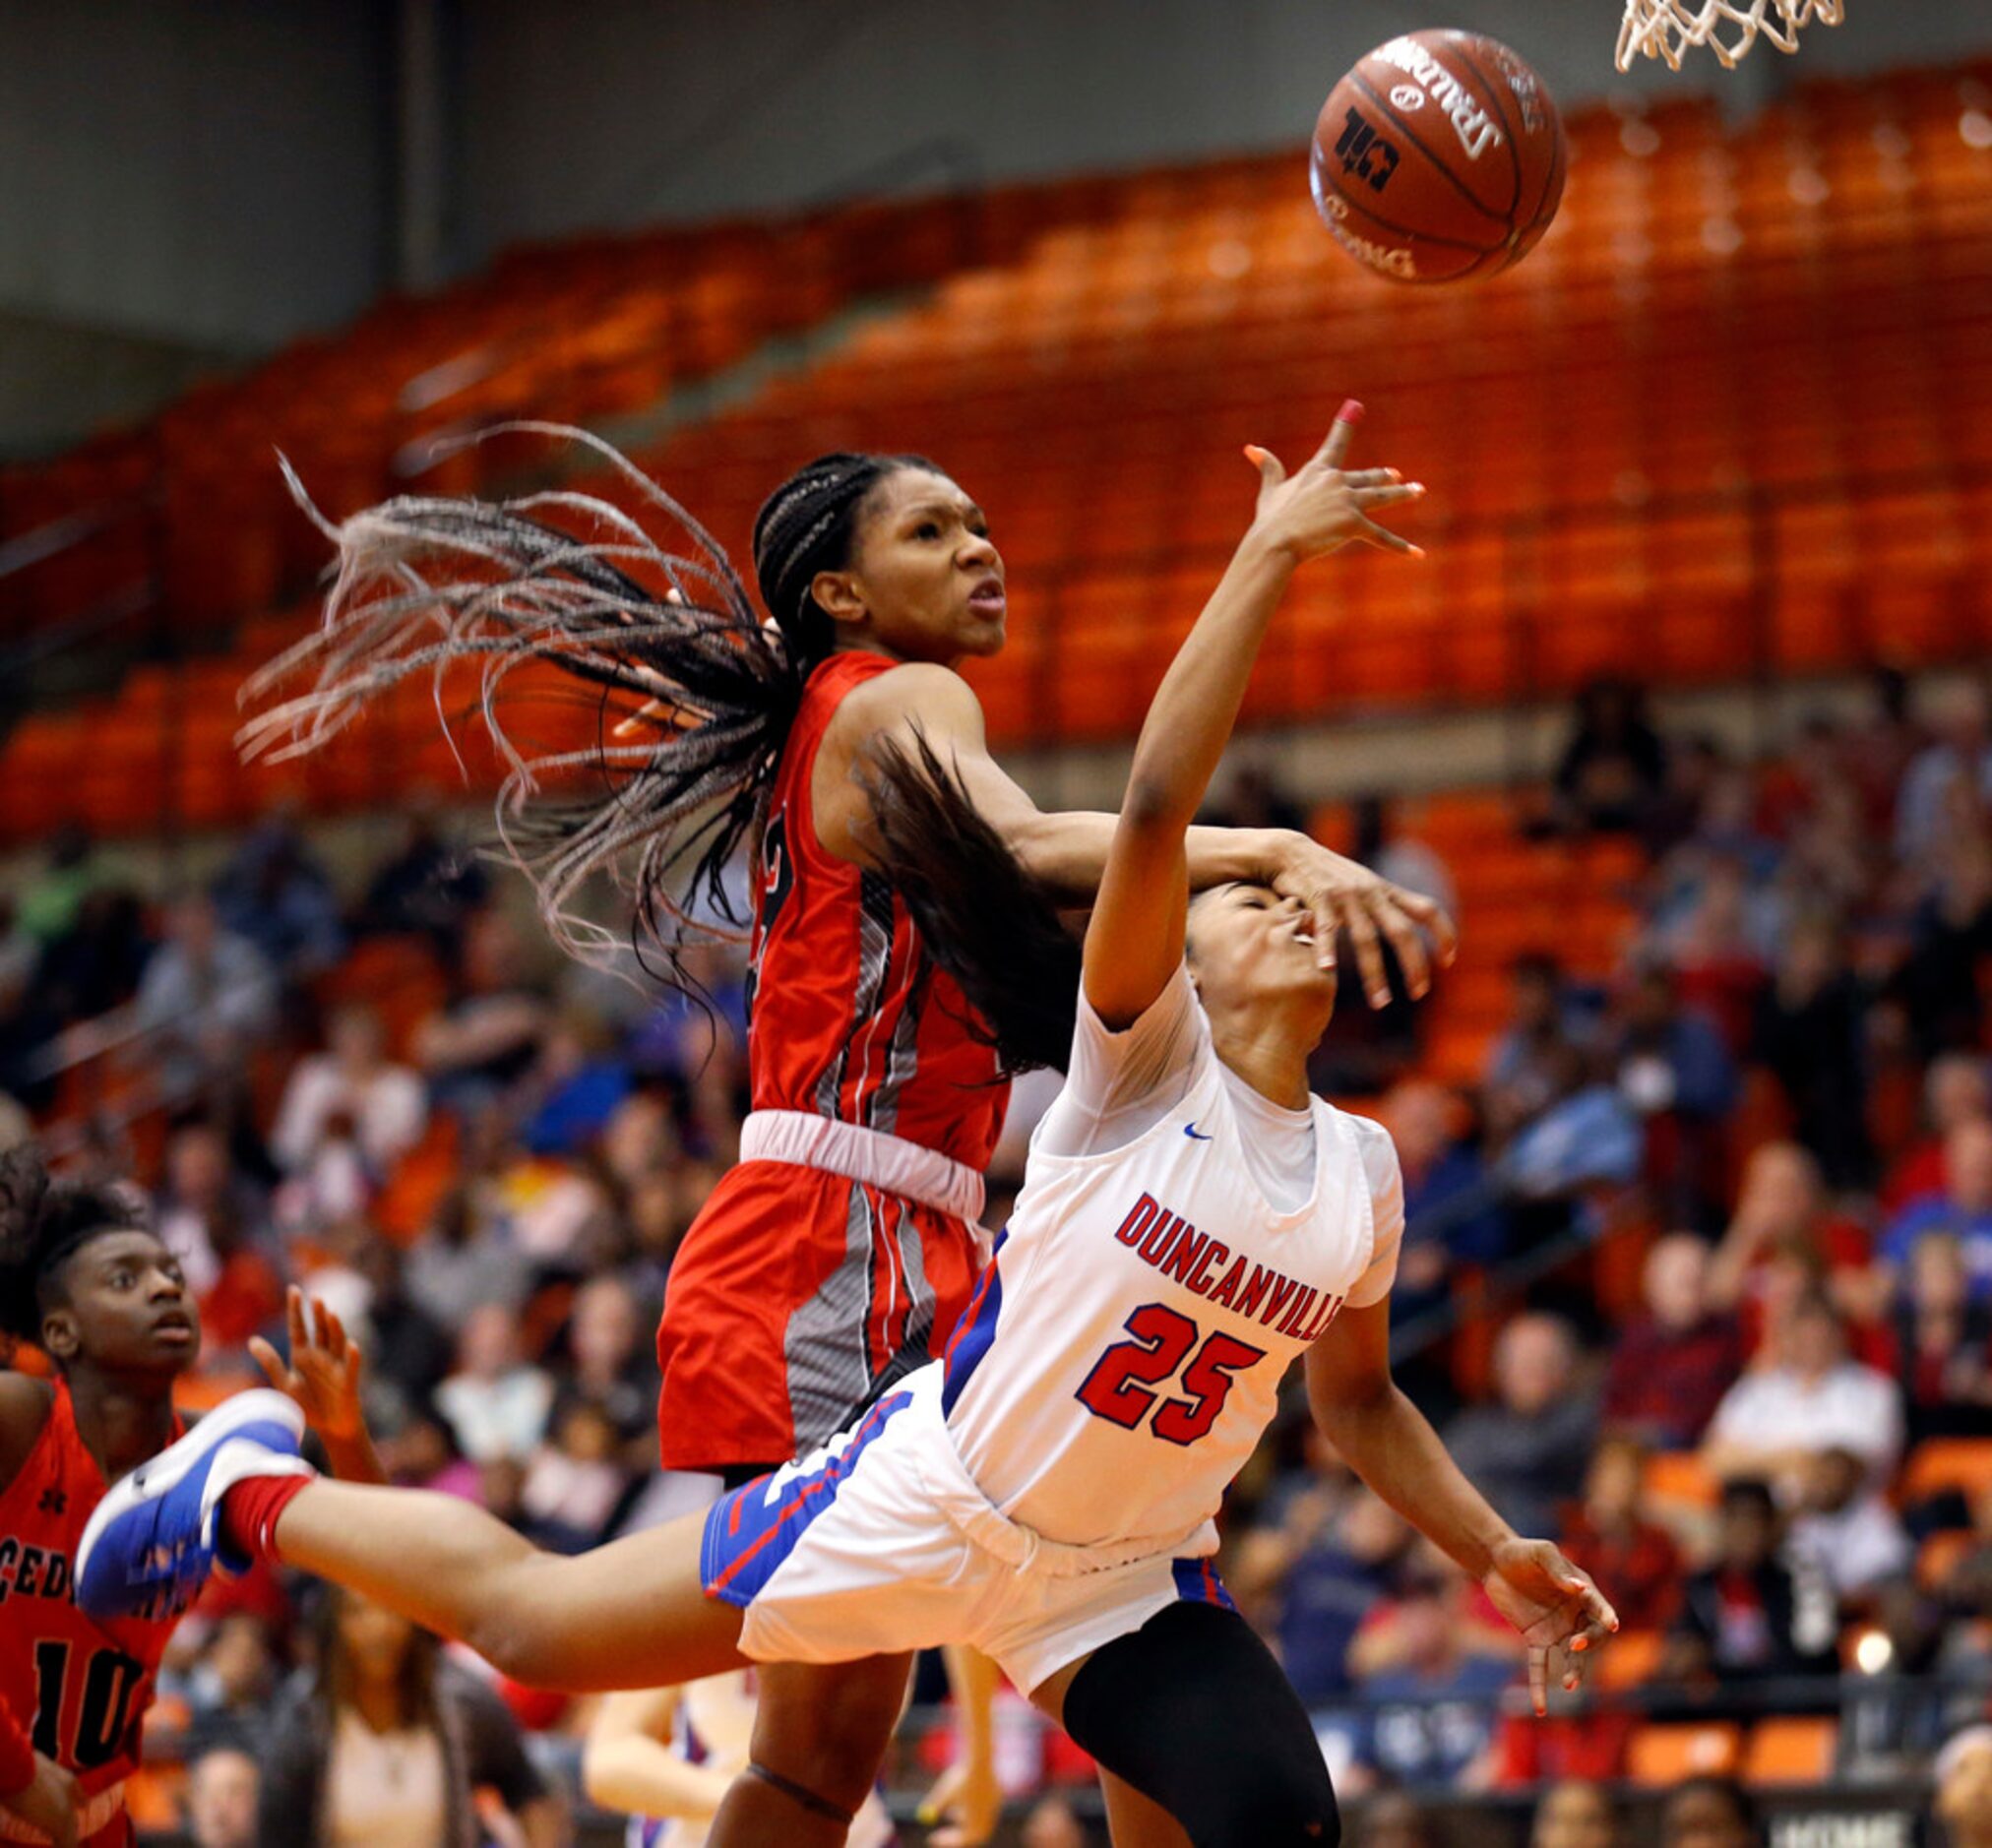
(1438, 156)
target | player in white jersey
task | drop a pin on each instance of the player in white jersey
(666, 1756)
(1192, 1221)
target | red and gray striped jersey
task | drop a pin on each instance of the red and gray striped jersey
(849, 1016)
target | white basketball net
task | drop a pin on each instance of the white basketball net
(1665, 29)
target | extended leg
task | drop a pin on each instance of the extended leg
(1194, 1712)
(630, 1615)
(1134, 1821)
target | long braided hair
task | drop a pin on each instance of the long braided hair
(424, 584)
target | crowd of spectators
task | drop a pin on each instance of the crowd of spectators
(1773, 1124)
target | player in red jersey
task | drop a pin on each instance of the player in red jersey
(81, 1276)
(839, 1255)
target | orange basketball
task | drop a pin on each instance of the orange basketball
(1438, 156)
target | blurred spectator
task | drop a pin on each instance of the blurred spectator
(351, 1094)
(486, 1039)
(1952, 928)
(1673, 1068)
(613, 1359)
(1402, 858)
(1810, 1397)
(576, 1482)
(1844, 1528)
(274, 893)
(221, 1798)
(1575, 1814)
(387, 1743)
(1708, 1813)
(1943, 1343)
(469, 1255)
(1585, 1137)
(1430, 1693)
(1321, 1557)
(228, 1690)
(1256, 799)
(1960, 755)
(1526, 1453)
(1956, 1090)
(497, 1405)
(429, 887)
(1672, 1364)
(1717, 950)
(408, 1353)
(1962, 1774)
(1610, 1537)
(575, 1087)
(206, 997)
(1782, 1209)
(1748, 1616)
(50, 902)
(672, 1038)
(212, 1220)
(1612, 769)
(1809, 1033)
(1545, 1017)
(1052, 1824)
(1961, 1211)
(1392, 1819)
(1451, 1214)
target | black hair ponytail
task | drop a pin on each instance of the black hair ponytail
(982, 917)
(44, 1222)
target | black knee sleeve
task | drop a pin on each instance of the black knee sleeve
(1193, 1711)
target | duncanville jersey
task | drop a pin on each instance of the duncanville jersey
(849, 1017)
(81, 1687)
(1126, 1344)
(715, 1726)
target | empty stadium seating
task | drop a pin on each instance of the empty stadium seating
(1652, 447)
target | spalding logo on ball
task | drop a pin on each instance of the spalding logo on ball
(1438, 157)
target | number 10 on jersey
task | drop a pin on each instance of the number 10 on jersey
(1117, 1388)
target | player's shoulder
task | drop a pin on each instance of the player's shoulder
(24, 1405)
(909, 689)
(1374, 1147)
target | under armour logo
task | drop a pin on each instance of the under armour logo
(52, 1502)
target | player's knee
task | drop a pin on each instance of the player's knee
(1293, 1808)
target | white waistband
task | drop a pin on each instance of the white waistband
(955, 1492)
(859, 1154)
(90, 1817)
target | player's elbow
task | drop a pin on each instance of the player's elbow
(1154, 805)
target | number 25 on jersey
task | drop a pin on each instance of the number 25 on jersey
(1118, 1387)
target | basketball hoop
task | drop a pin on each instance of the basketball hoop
(1665, 29)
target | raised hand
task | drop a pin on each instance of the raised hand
(1325, 507)
(323, 1374)
(1554, 1606)
(1340, 894)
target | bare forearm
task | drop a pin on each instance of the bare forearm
(1391, 1446)
(1068, 851)
(355, 1458)
(1194, 709)
(644, 1778)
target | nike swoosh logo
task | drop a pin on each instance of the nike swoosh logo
(1193, 1133)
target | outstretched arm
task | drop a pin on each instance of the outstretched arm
(1135, 940)
(1390, 1445)
(1068, 850)
(627, 1762)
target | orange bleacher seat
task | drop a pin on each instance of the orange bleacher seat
(1940, 1554)
(1940, 1463)
(1678, 1479)
(1660, 1754)
(1791, 1750)
(1628, 1660)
